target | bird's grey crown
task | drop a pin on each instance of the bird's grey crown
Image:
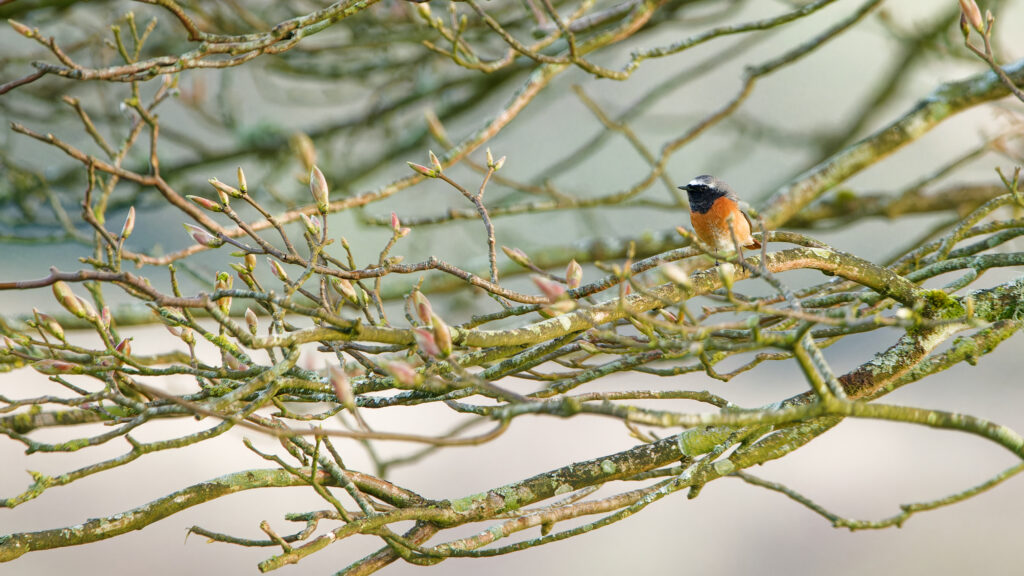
(707, 183)
(704, 190)
(705, 180)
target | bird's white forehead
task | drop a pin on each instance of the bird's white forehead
(701, 181)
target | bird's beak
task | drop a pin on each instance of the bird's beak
(684, 187)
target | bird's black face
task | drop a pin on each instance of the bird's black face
(702, 192)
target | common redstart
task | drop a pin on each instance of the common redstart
(713, 205)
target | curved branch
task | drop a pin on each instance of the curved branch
(945, 101)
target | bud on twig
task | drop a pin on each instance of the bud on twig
(201, 236)
(277, 269)
(518, 256)
(224, 282)
(396, 225)
(425, 342)
(423, 308)
(250, 262)
(242, 186)
(312, 224)
(342, 387)
(434, 161)
(442, 335)
(346, 289)
(124, 346)
(206, 203)
(573, 274)
(62, 292)
(234, 364)
(552, 290)
(558, 308)
(423, 170)
(53, 367)
(318, 187)
(50, 324)
(21, 28)
(129, 224)
(402, 372)
(970, 10)
(252, 321)
(225, 188)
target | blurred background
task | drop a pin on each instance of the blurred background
(364, 109)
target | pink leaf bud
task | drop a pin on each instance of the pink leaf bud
(50, 324)
(423, 308)
(124, 346)
(252, 321)
(312, 224)
(442, 335)
(970, 9)
(226, 188)
(234, 364)
(277, 269)
(52, 367)
(423, 170)
(206, 203)
(346, 289)
(402, 372)
(552, 290)
(573, 274)
(90, 311)
(518, 256)
(434, 161)
(558, 308)
(129, 224)
(318, 187)
(425, 342)
(395, 222)
(342, 387)
(68, 300)
(202, 237)
(21, 28)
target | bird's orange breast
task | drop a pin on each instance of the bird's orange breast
(712, 227)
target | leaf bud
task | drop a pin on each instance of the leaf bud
(318, 187)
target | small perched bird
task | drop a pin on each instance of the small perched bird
(712, 206)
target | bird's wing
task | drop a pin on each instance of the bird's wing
(755, 244)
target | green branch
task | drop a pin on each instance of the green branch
(945, 101)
